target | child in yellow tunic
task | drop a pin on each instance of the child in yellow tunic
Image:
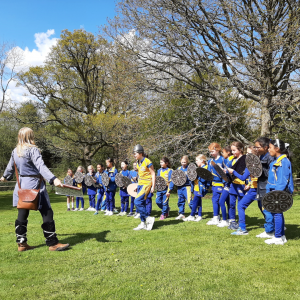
(146, 184)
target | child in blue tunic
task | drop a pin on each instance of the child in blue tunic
(91, 190)
(200, 189)
(134, 179)
(100, 188)
(217, 183)
(280, 179)
(185, 191)
(83, 186)
(110, 192)
(123, 190)
(162, 200)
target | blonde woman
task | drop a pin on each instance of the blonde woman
(30, 165)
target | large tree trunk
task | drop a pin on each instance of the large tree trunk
(265, 119)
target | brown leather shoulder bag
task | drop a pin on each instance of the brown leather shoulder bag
(28, 199)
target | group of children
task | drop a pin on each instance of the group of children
(242, 186)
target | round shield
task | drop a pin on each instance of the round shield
(131, 189)
(178, 177)
(78, 177)
(220, 171)
(277, 201)
(191, 172)
(68, 180)
(119, 180)
(126, 181)
(160, 183)
(254, 165)
(205, 174)
(105, 179)
(89, 180)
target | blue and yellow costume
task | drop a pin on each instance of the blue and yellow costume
(83, 186)
(144, 187)
(91, 192)
(161, 198)
(111, 188)
(280, 179)
(123, 193)
(184, 192)
(225, 193)
(133, 174)
(217, 184)
(100, 192)
(200, 189)
(236, 190)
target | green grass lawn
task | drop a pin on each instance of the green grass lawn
(176, 260)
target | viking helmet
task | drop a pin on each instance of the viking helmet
(138, 149)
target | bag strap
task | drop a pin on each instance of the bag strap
(17, 175)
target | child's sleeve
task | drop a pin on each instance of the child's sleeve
(242, 177)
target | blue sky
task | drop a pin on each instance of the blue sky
(21, 19)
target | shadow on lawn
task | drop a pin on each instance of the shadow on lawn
(77, 238)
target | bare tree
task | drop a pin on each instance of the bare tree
(254, 44)
(11, 61)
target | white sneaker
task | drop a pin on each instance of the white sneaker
(149, 222)
(199, 218)
(189, 218)
(214, 221)
(110, 213)
(107, 213)
(137, 216)
(141, 226)
(76, 209)
(103, 210)
(81, 209)
(277, 241)
(223, 223)
(115, 211)
(88, 209)
(266, 235)
(93, 209)
(124, 213)
(181, 216)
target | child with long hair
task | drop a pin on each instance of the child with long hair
(250, 196)
(236, 189)
(162, 200)
(217, 183)
(70, 173)
(185, 191)
(100, 188)
(200, 189)
(280, 179)
(83, 186)
(111, 171)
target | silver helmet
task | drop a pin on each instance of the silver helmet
(138, 149)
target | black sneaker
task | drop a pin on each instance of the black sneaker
(68, 209)
(130, 214)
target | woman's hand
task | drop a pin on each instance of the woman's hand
(168, 195)
(230, 170)
(57, 182)
(2, 179)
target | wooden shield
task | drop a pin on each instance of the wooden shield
(126, 181)
(205, 174)
(119, 180)
(160, 183)
(254, 165)
(88, 180)
(191, 172)
(78, 177)
(68, 180)
(220, 171)
(105, 179)
(277, 201)
(178, 177)
(131, 189)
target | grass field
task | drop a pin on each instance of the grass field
(176, 260)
